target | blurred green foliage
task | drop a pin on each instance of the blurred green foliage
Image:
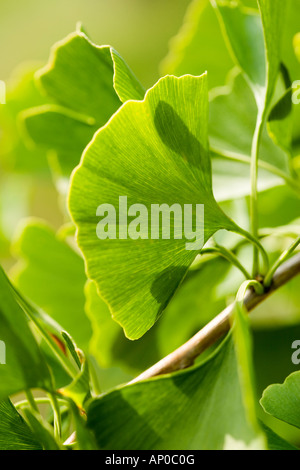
(34, 182)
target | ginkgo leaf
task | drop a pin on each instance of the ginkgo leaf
(276, 442)
(79, 389)
(24, 365)
(57, 128)
(232, 123)
(200, 27)
(290, 52)
(14, 432)
(41, 429)
(255, 41)
(21, 93)
(84, 437)
(88, 83)
(280, 120)
(199, 408)
(152, 152)
(95, 70)
(185, 56)
(195, 297)
(283, 401)
(59, 292)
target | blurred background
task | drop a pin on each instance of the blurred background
(138, 29)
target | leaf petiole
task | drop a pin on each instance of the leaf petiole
(258, 246)
(229, 256)
(31, 400)
(282, 258)
(254, 191)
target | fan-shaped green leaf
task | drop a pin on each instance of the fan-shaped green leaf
(24, 366)
(199, 46)
(283, 400)
(21, 93)
(232, 124)
(153, 152)
(89, 83)
(14, 432)
(255, 40)
(195, 298)
(41, 429)
(51, 274)
(199, 408)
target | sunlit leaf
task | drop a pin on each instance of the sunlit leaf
(84, 437)
(231, 127)
(79, 389)
(280, 120)
(51, 274)
(276, 442)
(14, 432)
(255, 40)
(89, 83)
(283, 400)
(24, 366)
(195, 297)
(148, 151)
(15, 155)
(199, 408)
(199, 46)
(41, 429)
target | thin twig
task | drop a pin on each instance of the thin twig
(186, 354)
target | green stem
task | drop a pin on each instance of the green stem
(227, 154)
(291, 231)
(254, 191)
(257, 245)
(258, 287)
(57, 416)
(31, 400)
(243, 347)
(38, 401)
(282, 258)
(229, 256)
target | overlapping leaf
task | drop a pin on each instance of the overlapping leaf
(88, 83)
(147, 152)
(255, 40)
(231, 177)
(24, 365)
(14, 432)
(199, 46)
(21, 94)
(199, 408)
(79, 389)
(195, 298)
(51, 274)
(282, 400)
(42, 430)
(231, 128)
